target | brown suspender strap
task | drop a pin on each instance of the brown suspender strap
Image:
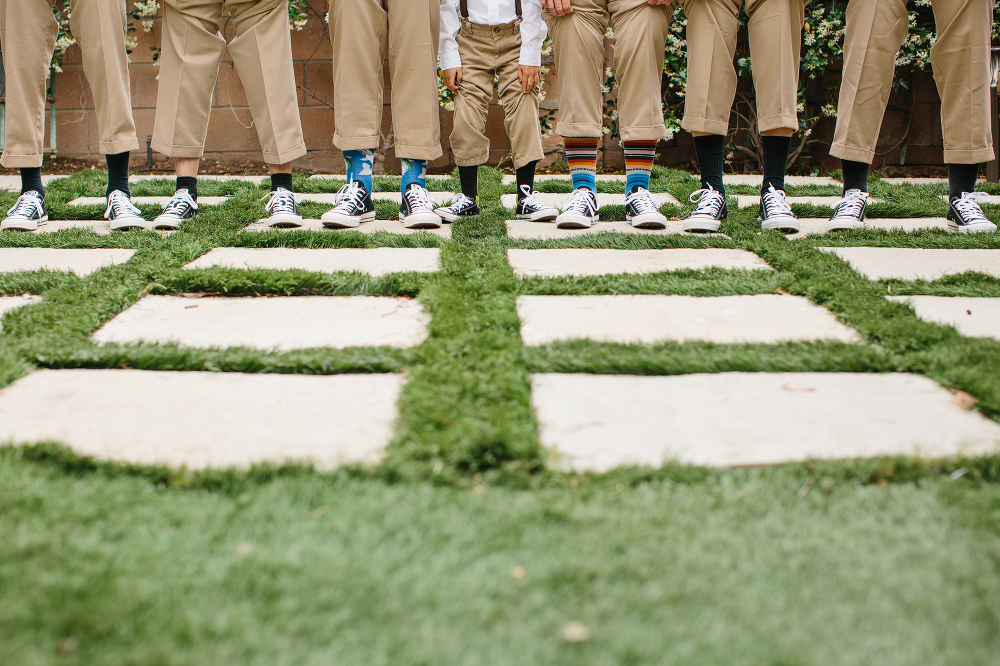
(464, 8)
(517, 9)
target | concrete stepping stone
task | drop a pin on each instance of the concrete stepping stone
(603, 199)
(529, 229)
(372, 261)
(99, 227)
(817, 225)
(204, 420)
(745, 200)
(13, 183)
(440, 198)
(588, 262)
(8, 303)
(920, 181)
(992, 199)
(340, 176)
(734, 418)
(80, 262)
(140, 201)
(282, 323)
(218, 178)
(756, 180)
(390, 226)
(971, 316)
(542, 177)
(903, 263)
(650, 319)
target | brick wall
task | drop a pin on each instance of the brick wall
(231, 138)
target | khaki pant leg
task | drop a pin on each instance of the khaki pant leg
(414, 30)
(775, 29)
(640, 37)
(520, 109)
(99, 27)
(469, 142)
(27, 36)
(875, 31)
(712, 27)
(262, 54)
(192, 49)
(358, 31)
(578, 47)
(961, 61)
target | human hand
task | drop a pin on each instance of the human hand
(452, 78)
(662, 2)
(558, 7)
(530, 77)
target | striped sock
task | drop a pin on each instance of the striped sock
(639, 156)
(581, 157)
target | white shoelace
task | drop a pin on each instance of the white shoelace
(851, 205)
(583, 200)
(710, 202)
(528, 201)
(281, 201)
(642, 200)
(350, 198)
(26, 206)
(176, 206)
(419, 200)
(119, 204)
(775, 203)
(968, 205)
(459, 202)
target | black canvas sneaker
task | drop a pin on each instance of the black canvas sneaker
(849, 212)
(122, 213)
(642, 211)
(417, 209)
(530, 208)
(354, 206)
(708, 214)
(282, 209)
(460, 206)
(580, 211)
(775, 213)
(27, 213)
(181, 206)
(966, 217)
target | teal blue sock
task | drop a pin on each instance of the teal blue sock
(414, 171)
(359, 166)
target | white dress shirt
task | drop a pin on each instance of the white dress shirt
(493, 12)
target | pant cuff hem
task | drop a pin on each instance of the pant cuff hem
(119, 146)
(852, 153)
(976, 156)
(472, 161)
(356, 142)
(581, 130)
(427, 153)
(778, 122)
(285, 155)
(537, 157)
(646, 133)
(171, 150)
(21, 161)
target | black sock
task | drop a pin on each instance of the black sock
(281, 180)
(469, 177)
(118, 173)
(962, 178)
(189, 183)
(526, 176)
(31, 179)
(855, 175)
(711, 160)
(775, 161)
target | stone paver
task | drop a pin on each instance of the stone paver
(650, 319)
(745, 200)
(586, 262)
(8, 303)
(390, 226)
(440, 198)
(815, 225)
(751, 179)
(220, 178)
(528, 229)
(341, 177)
(14, 182)
(283, 323)
(973, 317)
(920, 181)
(140, 201)
(542, 177)
(603, 199)
(599, 422)
(372, 261)
(81, 262)
(878, 263)
(203, 419)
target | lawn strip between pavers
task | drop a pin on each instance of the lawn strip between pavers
(965, 284)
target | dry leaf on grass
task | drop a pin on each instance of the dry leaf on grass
(518, 572)
(576, 632)
(964, 400)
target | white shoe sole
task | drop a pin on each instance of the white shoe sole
(284, 221)
(346, 221)
(647, 221)
(575, 221)
(975, 228)
(168, 223)
(421, 221)
(23, 225)
(129, 224)
(546, 215)
(786, 225)
(844, 224)
(449, 217)
(701, 225)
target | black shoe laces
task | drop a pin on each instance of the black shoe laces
(851, 205)
(26, 206)
(418, 200)
(968, 206)
(710, 203)
(642, 200)
(350, 198)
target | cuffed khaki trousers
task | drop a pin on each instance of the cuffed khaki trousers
(486, 50)
(362, 31)
(961, 62)
(775, 30)
(640, 37)
(189, 67)
(28, 36)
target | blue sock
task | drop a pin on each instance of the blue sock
(414, 171)
(359, 166)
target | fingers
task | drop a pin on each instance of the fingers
(558, 7)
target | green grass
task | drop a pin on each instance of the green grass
(887, 561)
